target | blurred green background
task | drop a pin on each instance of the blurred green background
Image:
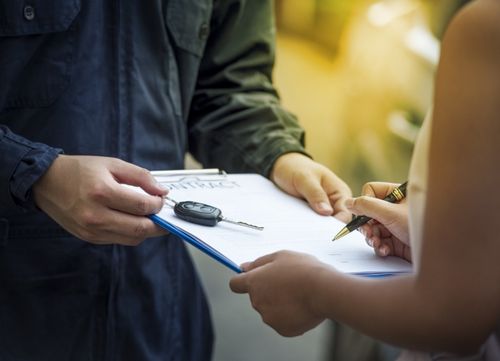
(359, 76)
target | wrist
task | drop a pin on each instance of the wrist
(28, 172)
(41, 187)
(321, 279)
(285, 162)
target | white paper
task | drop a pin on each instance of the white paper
(289, 223)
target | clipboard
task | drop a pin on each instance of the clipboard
(289, 224)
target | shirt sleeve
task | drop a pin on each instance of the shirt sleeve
(236, 121)
(22, 163)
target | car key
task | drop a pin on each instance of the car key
(204, 214)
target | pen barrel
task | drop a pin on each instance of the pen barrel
(357, 222)
(397, 194)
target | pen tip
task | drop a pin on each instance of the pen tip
(344, 231)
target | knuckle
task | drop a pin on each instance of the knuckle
(356, 202)
(142, 206)
(300, 179)
(254, 300)
(255, 304)
(119, 162)
(140, 230)
(89, 219)
(99, 192)
(362, 201)
(367, 188)
(143, 172)
(318, 194)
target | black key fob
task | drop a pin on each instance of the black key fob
(199, 213)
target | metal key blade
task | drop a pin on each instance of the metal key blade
(167, 198)
(258, 228)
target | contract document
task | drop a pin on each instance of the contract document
(289, 224)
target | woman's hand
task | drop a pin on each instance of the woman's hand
(388, 231)
(281, 287)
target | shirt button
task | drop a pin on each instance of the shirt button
(29, 12)
(203, 32)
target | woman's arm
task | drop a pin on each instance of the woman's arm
(462, 244)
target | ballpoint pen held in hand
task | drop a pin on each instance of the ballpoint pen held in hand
(395, 196)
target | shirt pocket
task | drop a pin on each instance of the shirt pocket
(37, 43)
(188, 22)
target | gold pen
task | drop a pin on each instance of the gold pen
(395, 196)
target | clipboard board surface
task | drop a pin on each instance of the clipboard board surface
(288, 223)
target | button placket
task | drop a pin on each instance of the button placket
(29, 12)
(203, 31)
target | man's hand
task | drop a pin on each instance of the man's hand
(85, 196)
(302, 177)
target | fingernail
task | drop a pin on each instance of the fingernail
(349, 203)
(323, 206)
